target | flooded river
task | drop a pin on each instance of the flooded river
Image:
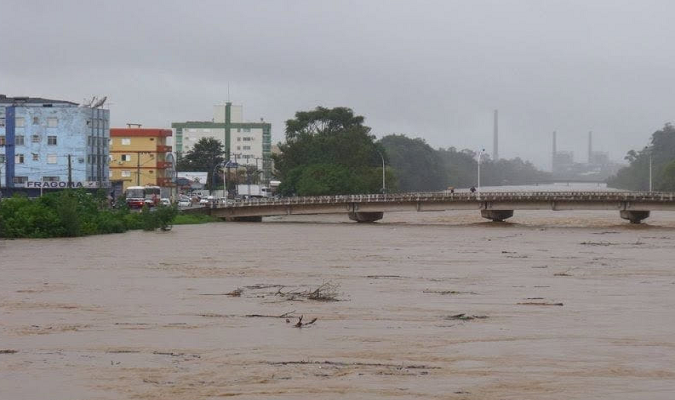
(565, 305)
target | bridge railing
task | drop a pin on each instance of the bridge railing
(462, 197)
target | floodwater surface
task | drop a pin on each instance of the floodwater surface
(565, 305)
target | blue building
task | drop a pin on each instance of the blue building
(49, 143)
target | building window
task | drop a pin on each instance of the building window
(126, 142)
(51, 140)
(238, 147)
(3, 140)
(247, 129)
(36, 157)
(88, 122)
(36, 120)
(19, 140)
(52, 122)
(51, 158)
(126, 174)
(35, 138)
(110, 174)
(20, 179)
(247, 147)
(126, 157)
(248, 139)
(2, 121)
(2, 158)
(18, 159)
(238, 129)
(238, 139)
(151, 171)
(19, 122)
(50, 179)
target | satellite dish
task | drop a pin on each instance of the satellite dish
(86, 103)
(100, 102)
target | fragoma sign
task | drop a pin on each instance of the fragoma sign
(62, 185)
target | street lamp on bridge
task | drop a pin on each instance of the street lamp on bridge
(384, 184)
(480, 156)
(647, 149)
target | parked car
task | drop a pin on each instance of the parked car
(207, 200)
(165, 202)
(184, 201)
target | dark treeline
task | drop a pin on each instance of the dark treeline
(662, 154)
(418, 167)
(330, 151)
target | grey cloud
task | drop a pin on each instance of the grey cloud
(435, 69)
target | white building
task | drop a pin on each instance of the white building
(246, 143)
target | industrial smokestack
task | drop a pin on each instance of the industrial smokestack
(590, 147)
(555, 150)
(495, 137)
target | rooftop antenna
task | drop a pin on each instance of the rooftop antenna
(228, 92)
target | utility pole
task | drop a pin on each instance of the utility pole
(480, 156)
(70, 171)
(138, 168)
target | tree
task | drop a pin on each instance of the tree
(328, 151)
(667, 178)
(460, 166)
(417, 165)
(204, 156)
(662, 154)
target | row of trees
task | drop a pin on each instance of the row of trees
(330, 151)
(420, 167)
(661, 151)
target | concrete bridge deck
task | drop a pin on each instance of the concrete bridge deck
(497, 206)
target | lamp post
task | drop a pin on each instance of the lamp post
(384, 184)
(480, 156)
(650, 167)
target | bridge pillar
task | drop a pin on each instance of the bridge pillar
(496, 215)
(635, 217)
(365, 216)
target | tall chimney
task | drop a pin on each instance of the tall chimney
(590, 147)
(555, 150)
(495, 137)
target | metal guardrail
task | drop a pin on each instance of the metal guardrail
(458, 197)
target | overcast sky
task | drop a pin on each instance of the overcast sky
(430, 69)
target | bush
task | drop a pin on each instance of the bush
(72, 213)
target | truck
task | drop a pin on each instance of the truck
(253, 190)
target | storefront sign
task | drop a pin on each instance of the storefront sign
(62, 185)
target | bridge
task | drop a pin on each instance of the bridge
(496, 206)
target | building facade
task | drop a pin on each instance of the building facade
(246, 143)
(140, 157)
(52, 144)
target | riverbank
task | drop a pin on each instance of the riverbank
(438, 305)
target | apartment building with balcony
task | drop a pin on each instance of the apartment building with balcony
(246, 143)
(49, 144)
(140, 157)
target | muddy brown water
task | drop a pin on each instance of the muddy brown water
(566, 305)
